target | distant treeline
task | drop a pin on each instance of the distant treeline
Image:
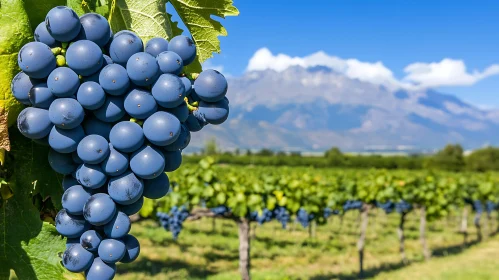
(450, 158)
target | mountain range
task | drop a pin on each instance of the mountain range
(314, 109)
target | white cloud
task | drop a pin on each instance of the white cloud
(448, 72)
(209, 65)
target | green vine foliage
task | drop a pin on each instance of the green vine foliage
(30, 192)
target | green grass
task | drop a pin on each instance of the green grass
(204, 253)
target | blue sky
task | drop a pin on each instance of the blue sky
(396, 33)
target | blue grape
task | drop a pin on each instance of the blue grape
(42, 35)
(95, 126)
(68, 181)
(84, 57)
(118, 227)
(90, 240)
(220, 210)
(173, 160)
(168, 91)
(34, 123)
(99, 270)
(99, 209)
(184, 47)
(126, 136)
(77, 259)
(157, 187)
(95, 28)
(142, 69)
(76, 158)
(72, 241)
(93, 149)
(65, 140)
(132, 248)
(66, 113)
(61, 163)
(126, 188)
(211, 85)
(36, 60)
(156, 46)
(91, 176)
(170, 63)
(182, 141)
(181, 112)
(147, 162)
(125, 43)
(193, 124)
(187, 85)
(214, 113)
(140, 104)
(63, 82)
(21, 86)
(114, 79)
(134, 207)
(69, 225)
(40, 96)
(112, 110)
(91, 95)
(111, 250)
(116, 163)
(62, 23)
(161, 128)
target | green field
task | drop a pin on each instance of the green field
(206, 252)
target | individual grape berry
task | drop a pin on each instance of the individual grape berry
(20, 87)
(74, 199)
(125, 43)
(118, 227)
(90, 240)
(95, 28)
(65, 140)
(147, 162)
(161, 128)
(133, 208)
(111, 250)
(93, 149)
(140, 104)
(112, 110)
(91, 176)
(84, 57)
(173, 160)
(126, 136)
(156, 188)
(91, 95)
(156, 46)
(214, 113)
(99, 270)
(211, 85)
(62, 23)
(170, 63)
(99, 209)
(187, 85)
(42, 35)
(36, 60)
(40, 96)
(34, 123)
(63, 82)
(114, 79)
(116, 163)
(168, 91)
(66, 113)
(142, 69)
(68, 181)
(95, 126)
(77, 259)
(181, 112)
(69, 225)
(184, 47)
(182, 141)
(61, 163)
(132, 248)
(126, 188)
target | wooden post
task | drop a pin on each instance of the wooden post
(364, 219)
(244, 248)
(478, 226)
(422, 233)
(401, 235)
(312, 229)
(464, 225)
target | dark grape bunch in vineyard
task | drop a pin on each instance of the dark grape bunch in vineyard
(116, 115)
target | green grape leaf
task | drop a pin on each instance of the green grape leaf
(196, 15)
(37, 10)
(89, 6)
(147, 18)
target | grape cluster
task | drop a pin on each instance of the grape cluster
(403, 207)
(220, 210)
(116, 116)
(388, 206)
(490, 206)
(304, 218)
(328, 212)
(173, 220)
(352, 205)
(477, 206)
(281, 215)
